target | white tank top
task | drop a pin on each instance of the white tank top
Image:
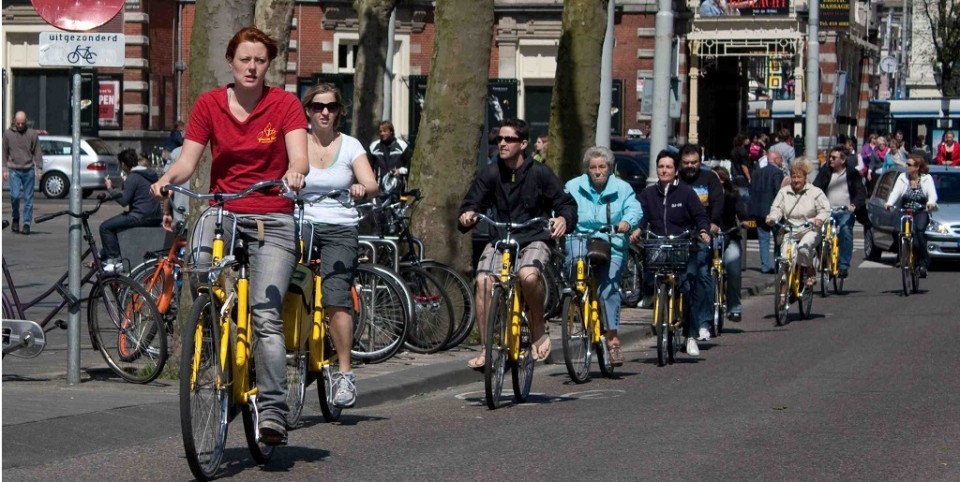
(338, 176)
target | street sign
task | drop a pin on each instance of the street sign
(86, 50)
(77, 16)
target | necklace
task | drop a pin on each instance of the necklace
(326, 154)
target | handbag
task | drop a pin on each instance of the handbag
(598, 249)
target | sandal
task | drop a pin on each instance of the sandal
(616, 356)
(811, 281)
(537, 348)
(478, 361)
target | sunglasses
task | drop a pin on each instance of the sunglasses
(509, 139)
(911, 165)
(332, 107)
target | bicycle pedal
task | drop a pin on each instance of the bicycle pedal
(62, 324)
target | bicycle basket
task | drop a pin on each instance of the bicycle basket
(666, 255)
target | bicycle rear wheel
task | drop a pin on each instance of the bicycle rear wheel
(433, 312)
(905, 264)
(522, 370)
(781, 294)
(576, 340)
(806, 301)
(495, 348)
(825, 268)
(381, 324)
(552, 290)
(662, 323)
(603, 355)
(460, 292)
(631, 281)
(127, 328)
(204, 391)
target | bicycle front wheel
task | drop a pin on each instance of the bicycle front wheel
(204, 391)
(576, 340)
(826, 268)
(331, 412)
(905, 264)
(675, 329)
(718, 304)
(662, 323)
(433, 312)
(495, 347)
(781, 294)
(127, 329)
(296, 381)
(385, 314)
(522, 370)
(261, 452)
(806, 301)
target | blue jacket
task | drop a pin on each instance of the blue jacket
(592, 208)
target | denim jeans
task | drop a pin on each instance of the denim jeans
(844, 224)
(271, 263)
(731, 263)
(764, 234)
(698, 286)
(608, 283)
(113, 226)
(22, 184)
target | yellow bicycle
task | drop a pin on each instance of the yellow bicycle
(790, 286)
(718, 270)
(909, 270)
(508, 339)
(830, 255)
(666, 258)
(584, 322)
(217, 374)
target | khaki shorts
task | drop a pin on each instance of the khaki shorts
(536, 254)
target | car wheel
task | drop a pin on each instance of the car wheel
(86, 193)
(871, 252)
(55, 185)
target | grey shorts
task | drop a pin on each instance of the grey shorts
(337, 246)
(536, 254)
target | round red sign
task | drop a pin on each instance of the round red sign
(77, 15)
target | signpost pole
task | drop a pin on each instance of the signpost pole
(73, 266)
(813, 83)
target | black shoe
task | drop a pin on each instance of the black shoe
(26, 229)
(273, 432)
(734, 317)
(923, 272)
(843, 273)
(15, 226)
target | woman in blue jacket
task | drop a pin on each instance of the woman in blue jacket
(603, 199)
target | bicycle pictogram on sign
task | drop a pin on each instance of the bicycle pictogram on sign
(81, 53)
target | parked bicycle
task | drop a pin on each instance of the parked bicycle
(584, 321)
(789, 285)
(161, 275)
(123, 322)
(508, 339)
(666, 257)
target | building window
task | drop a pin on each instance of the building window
(347, 56)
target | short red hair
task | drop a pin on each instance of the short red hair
(252, 35)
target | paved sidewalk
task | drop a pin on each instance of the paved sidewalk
(42, 417)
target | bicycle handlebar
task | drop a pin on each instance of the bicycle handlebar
(512, 226)
(790, 227)
(82, 215)
(650, 235)
(315, 197)
(223, 197)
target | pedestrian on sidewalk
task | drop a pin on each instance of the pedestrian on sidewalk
(763, 190)
(22, 168)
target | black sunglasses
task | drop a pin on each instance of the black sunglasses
(333, 107)
(509, 139)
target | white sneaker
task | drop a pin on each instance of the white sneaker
(704, 334)
(692, 348)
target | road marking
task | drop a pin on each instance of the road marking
(595, 394)
(874, 264)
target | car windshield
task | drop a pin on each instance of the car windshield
(100, 147)
(948, 187)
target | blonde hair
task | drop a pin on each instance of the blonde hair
(801, 165)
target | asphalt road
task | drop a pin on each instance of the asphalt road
(865, 390)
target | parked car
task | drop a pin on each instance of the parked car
(943, 233)
(632, 167)
(96, 163)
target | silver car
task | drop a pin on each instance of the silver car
(943, 232)
(96, 163)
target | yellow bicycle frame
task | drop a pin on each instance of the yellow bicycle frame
(512, 340)
(591, 310)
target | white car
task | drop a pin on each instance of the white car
(96, 163)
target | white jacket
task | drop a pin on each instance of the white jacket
(900, 187)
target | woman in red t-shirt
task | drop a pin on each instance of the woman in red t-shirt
(255, 133)
(948, 153)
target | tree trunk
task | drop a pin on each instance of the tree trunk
(576, 88)
(374, 19)
(445, 156)
(215, 23)
(275, 18)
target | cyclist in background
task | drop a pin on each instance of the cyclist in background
(844, 188)
(671, 207)
(517, 189)
(337, 161)
(915, 190)
(603, 199)
(797, 204)
(255, 132)
(734, 214)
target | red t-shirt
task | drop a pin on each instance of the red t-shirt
(249, 151)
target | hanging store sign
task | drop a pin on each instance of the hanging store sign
(718, 8)
(834, 14)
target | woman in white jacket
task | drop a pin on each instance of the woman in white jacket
(915, 190)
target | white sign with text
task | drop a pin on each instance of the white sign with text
(87, 50)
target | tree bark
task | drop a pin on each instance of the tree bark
(215, 23)
(374, 19)
(576, 89)
(275, 18)
(445, 156)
